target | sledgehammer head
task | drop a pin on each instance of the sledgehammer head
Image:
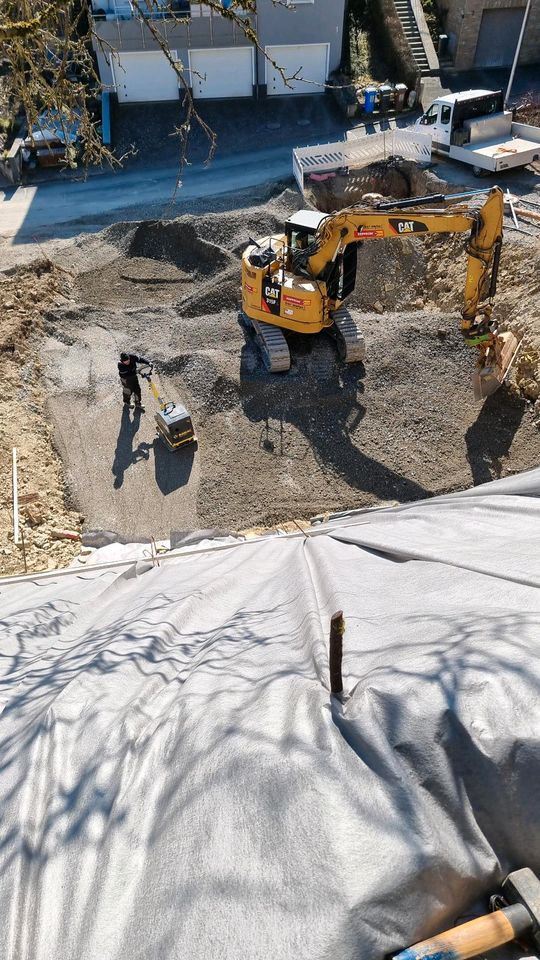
(521, 917)
(523, 886)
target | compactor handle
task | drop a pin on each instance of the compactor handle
(474, 937)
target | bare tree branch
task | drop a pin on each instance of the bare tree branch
(48, 49)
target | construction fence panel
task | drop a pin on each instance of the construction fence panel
(360, 150)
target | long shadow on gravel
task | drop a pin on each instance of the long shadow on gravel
(124, 455)
(491, 435)
(327, 412)
(172, 467)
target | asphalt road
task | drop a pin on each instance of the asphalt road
(26, 212)
(42, 211)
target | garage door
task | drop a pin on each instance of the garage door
(145, 75)
(308, 60)
(498, 37)
(222, 72)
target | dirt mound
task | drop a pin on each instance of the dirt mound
(201, 375)
(127, 281)
(177, 242)
(516, 302)
(219, 294)
(24, 294)
(232, 232)
(162, 261)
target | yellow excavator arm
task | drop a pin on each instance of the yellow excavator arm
(339, 230)
(300, 279)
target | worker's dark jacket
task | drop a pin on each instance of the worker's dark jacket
(128, 370)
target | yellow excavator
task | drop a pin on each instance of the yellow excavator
(300, 279)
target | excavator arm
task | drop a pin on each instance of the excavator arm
(484, 226)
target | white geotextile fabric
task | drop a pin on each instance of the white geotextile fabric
(177, 782)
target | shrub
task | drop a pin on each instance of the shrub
(393, 41)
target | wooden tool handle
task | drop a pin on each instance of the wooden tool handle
(474, 937)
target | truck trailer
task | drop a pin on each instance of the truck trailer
(474, 128)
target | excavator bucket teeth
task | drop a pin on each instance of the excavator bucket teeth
(491, 376)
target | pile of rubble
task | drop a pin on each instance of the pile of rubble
(44, 519)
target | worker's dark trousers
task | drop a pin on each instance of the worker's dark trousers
(131, 385)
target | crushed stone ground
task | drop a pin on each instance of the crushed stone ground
(322, 437)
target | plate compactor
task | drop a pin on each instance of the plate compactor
(173, 421)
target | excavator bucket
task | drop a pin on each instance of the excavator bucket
(496, 365)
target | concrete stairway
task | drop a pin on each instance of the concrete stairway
(406, 15)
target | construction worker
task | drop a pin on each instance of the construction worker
(127, 368)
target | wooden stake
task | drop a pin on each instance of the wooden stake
(24, 550)
(15, 498)
(509, 200)
(337, 629)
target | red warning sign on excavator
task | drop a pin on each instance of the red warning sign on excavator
(369, 233)
(295, 301)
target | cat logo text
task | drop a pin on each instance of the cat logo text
(407, 226)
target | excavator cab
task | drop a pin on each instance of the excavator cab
(301, 230)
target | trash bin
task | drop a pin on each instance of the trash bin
(386, 95)
(401, 93)
(442, 47)
(370, 94)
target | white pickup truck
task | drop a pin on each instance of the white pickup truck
(474, 127)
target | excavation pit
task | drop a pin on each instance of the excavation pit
(394, 179)
(402, 425)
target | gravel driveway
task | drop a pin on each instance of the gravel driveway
(240, 125)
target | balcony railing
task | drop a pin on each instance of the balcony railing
(181, 9)
(125, 10)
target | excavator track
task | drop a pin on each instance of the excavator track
(272, 344)
(350, 341)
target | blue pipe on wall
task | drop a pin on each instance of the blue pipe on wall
(106, 118)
